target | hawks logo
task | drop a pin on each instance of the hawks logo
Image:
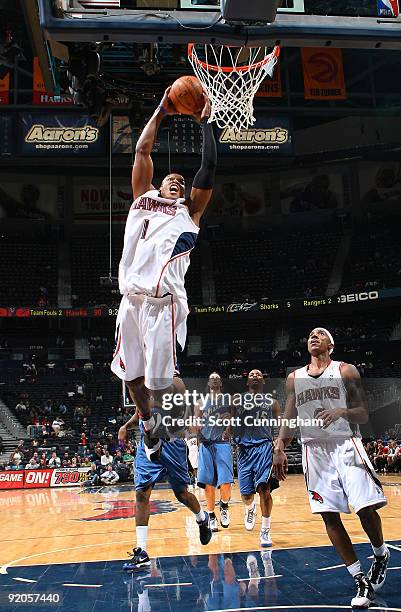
(316, 497)
(126, 509)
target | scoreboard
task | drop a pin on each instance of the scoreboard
(178, 134)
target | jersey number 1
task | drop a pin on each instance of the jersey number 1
(145, 229)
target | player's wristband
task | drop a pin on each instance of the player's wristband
(162, 109)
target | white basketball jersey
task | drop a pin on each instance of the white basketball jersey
(159, 236)
(315, 394)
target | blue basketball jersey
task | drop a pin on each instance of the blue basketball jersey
(214, 411)
(254, 416)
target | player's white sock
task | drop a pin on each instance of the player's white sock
(266, 522)
(141, 536)
(355, 568)
(149, 424)
(381, 551)
(200, 517)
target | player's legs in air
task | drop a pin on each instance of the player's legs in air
(171, 463)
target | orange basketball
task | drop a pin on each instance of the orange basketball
(187, 95)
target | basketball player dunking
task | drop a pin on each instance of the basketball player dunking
(160, 233)
(337, 470)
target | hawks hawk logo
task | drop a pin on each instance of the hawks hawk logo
(126, 509)
(316, 497)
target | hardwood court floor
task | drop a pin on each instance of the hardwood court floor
(47, 526)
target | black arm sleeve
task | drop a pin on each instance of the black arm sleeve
(204, 178)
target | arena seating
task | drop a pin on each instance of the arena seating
(28, 272)
(374, 258)
(276, 266)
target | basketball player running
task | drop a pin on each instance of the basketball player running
(337, 470)
(160, 233)
(215, 455)
(255, 453)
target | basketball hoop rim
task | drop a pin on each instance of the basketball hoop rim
(275, 53)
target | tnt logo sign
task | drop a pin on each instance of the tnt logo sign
(388, 8)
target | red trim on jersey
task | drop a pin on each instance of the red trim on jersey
(118, 345)
(367, 468)
(165, 266)
(307, 467)
(173, 328)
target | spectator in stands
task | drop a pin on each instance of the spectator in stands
(110, 476)
(88, 368)
(15, 457)
(380, 459)
(21, 448)
(33, 463)
(83, 439)
(93, 477)
(392, 455)
(20, 407)
(95, 431)
(51, 367)
(42, 463)
(86, 462)
(106, 459)
(62, 408)
(66, 458)
(98, 453)
(47, 406)
(54, 461)
(57, 425)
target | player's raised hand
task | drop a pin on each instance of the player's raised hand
(166, 105)
(205, 112)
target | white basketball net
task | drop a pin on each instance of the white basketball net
(231, 89)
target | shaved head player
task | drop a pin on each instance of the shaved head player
(337, 470)
(161, 231)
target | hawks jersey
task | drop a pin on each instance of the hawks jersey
(159, 236)
(315, 394)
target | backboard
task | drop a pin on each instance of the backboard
(300, 23)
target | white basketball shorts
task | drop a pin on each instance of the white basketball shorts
(338, 475)
(146, 340)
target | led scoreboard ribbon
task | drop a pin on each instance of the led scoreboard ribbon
(334, 303)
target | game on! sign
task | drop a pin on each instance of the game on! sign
(37, 479)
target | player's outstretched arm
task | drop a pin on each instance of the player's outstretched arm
(203, 183)
(142, 171)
